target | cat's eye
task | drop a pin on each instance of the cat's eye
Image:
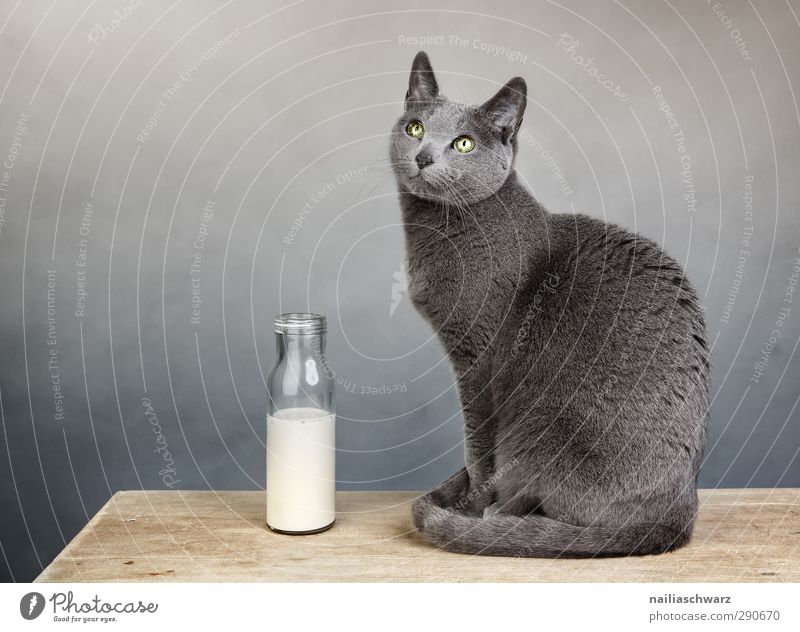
(415, 129)
(464, 144)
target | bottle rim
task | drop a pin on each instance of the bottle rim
(300, 323)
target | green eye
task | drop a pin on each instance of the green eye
(464, 144)
(415, 129)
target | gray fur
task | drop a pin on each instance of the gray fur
(579, 350)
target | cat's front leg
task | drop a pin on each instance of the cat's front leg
(479, 440)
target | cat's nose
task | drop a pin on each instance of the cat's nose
(424, 159)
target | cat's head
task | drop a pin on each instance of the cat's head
(441, 150)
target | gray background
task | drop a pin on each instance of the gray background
(271, 127)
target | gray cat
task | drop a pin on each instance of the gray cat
(579, 349)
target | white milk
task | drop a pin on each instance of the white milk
(301, 469)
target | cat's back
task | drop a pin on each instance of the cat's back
(611, 344)
(617, 303)
(618, 266)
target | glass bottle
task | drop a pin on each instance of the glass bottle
(301, 470)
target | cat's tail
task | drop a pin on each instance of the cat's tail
(538, 536)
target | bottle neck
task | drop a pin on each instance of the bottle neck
(300, 345)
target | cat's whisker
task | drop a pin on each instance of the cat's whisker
(459, 201)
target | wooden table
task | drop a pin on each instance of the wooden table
(741, 535)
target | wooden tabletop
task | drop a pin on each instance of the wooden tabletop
(741, 535)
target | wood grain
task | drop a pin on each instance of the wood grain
(741, 535)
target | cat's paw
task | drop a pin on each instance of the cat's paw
(491, 511)
(478, 497)
(474, 503)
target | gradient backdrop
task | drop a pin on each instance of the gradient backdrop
(175, 174)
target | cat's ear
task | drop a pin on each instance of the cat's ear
(422, 85)
(507, 107)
